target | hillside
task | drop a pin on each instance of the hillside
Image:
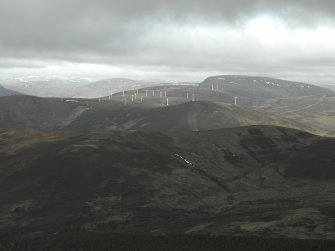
(260, 88)
(49, 114)
(259, 180)
(315, 111)
(7, 92)
(191, 116)
(38, 113)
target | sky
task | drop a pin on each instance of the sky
(186, 40)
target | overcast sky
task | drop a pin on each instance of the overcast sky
(173, 40)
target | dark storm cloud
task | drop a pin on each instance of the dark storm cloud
(168, 34)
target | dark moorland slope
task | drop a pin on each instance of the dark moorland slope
(54, 114)
(261, 180)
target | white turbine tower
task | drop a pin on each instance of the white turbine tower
(167, 102)
(193, 99)
(146, 93)
(235, 100)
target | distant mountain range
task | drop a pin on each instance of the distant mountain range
(73, 87)
(245, 87)
(106, 87)
(46, 87)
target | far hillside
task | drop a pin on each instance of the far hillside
(51, 114)
(7, 92)
(260, 88)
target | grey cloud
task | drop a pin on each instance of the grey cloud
(122, 33)
(74, 24)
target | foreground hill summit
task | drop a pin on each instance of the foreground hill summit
(260, 180)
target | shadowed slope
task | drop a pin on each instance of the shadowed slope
(232, 181)
(50, 114)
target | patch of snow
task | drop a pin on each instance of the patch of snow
(181, 84)
(183, 159)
